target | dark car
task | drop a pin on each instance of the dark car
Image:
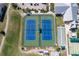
(2, 12)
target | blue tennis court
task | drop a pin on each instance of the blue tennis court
(32, 34)
(47, 25)
(46, 29)
(30, 30)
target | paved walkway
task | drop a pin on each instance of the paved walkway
(49, 6)
(67, 31)
(6, 28)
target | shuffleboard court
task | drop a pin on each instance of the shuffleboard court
(31, 31)
(47, 36)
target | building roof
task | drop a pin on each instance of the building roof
(55, 53)
(71, 13)
(74, 48)
(74, 11)
(74, 40)
(73, 24)
(60, 8)
(36, 6)
(61, 36)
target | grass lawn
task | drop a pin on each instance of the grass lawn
(2, 24)
(59, 21)
(77, 33)
(12, 38)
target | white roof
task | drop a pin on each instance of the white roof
(78, 17)
(73, 24)
(62, 4)
(68, 15)
(74, 48)
(68, 10)
(61, 36)
(74, 34)
(45, 51)
(55, 53)
(71, 13)
(28, 5)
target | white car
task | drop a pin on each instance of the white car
(74, 35)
